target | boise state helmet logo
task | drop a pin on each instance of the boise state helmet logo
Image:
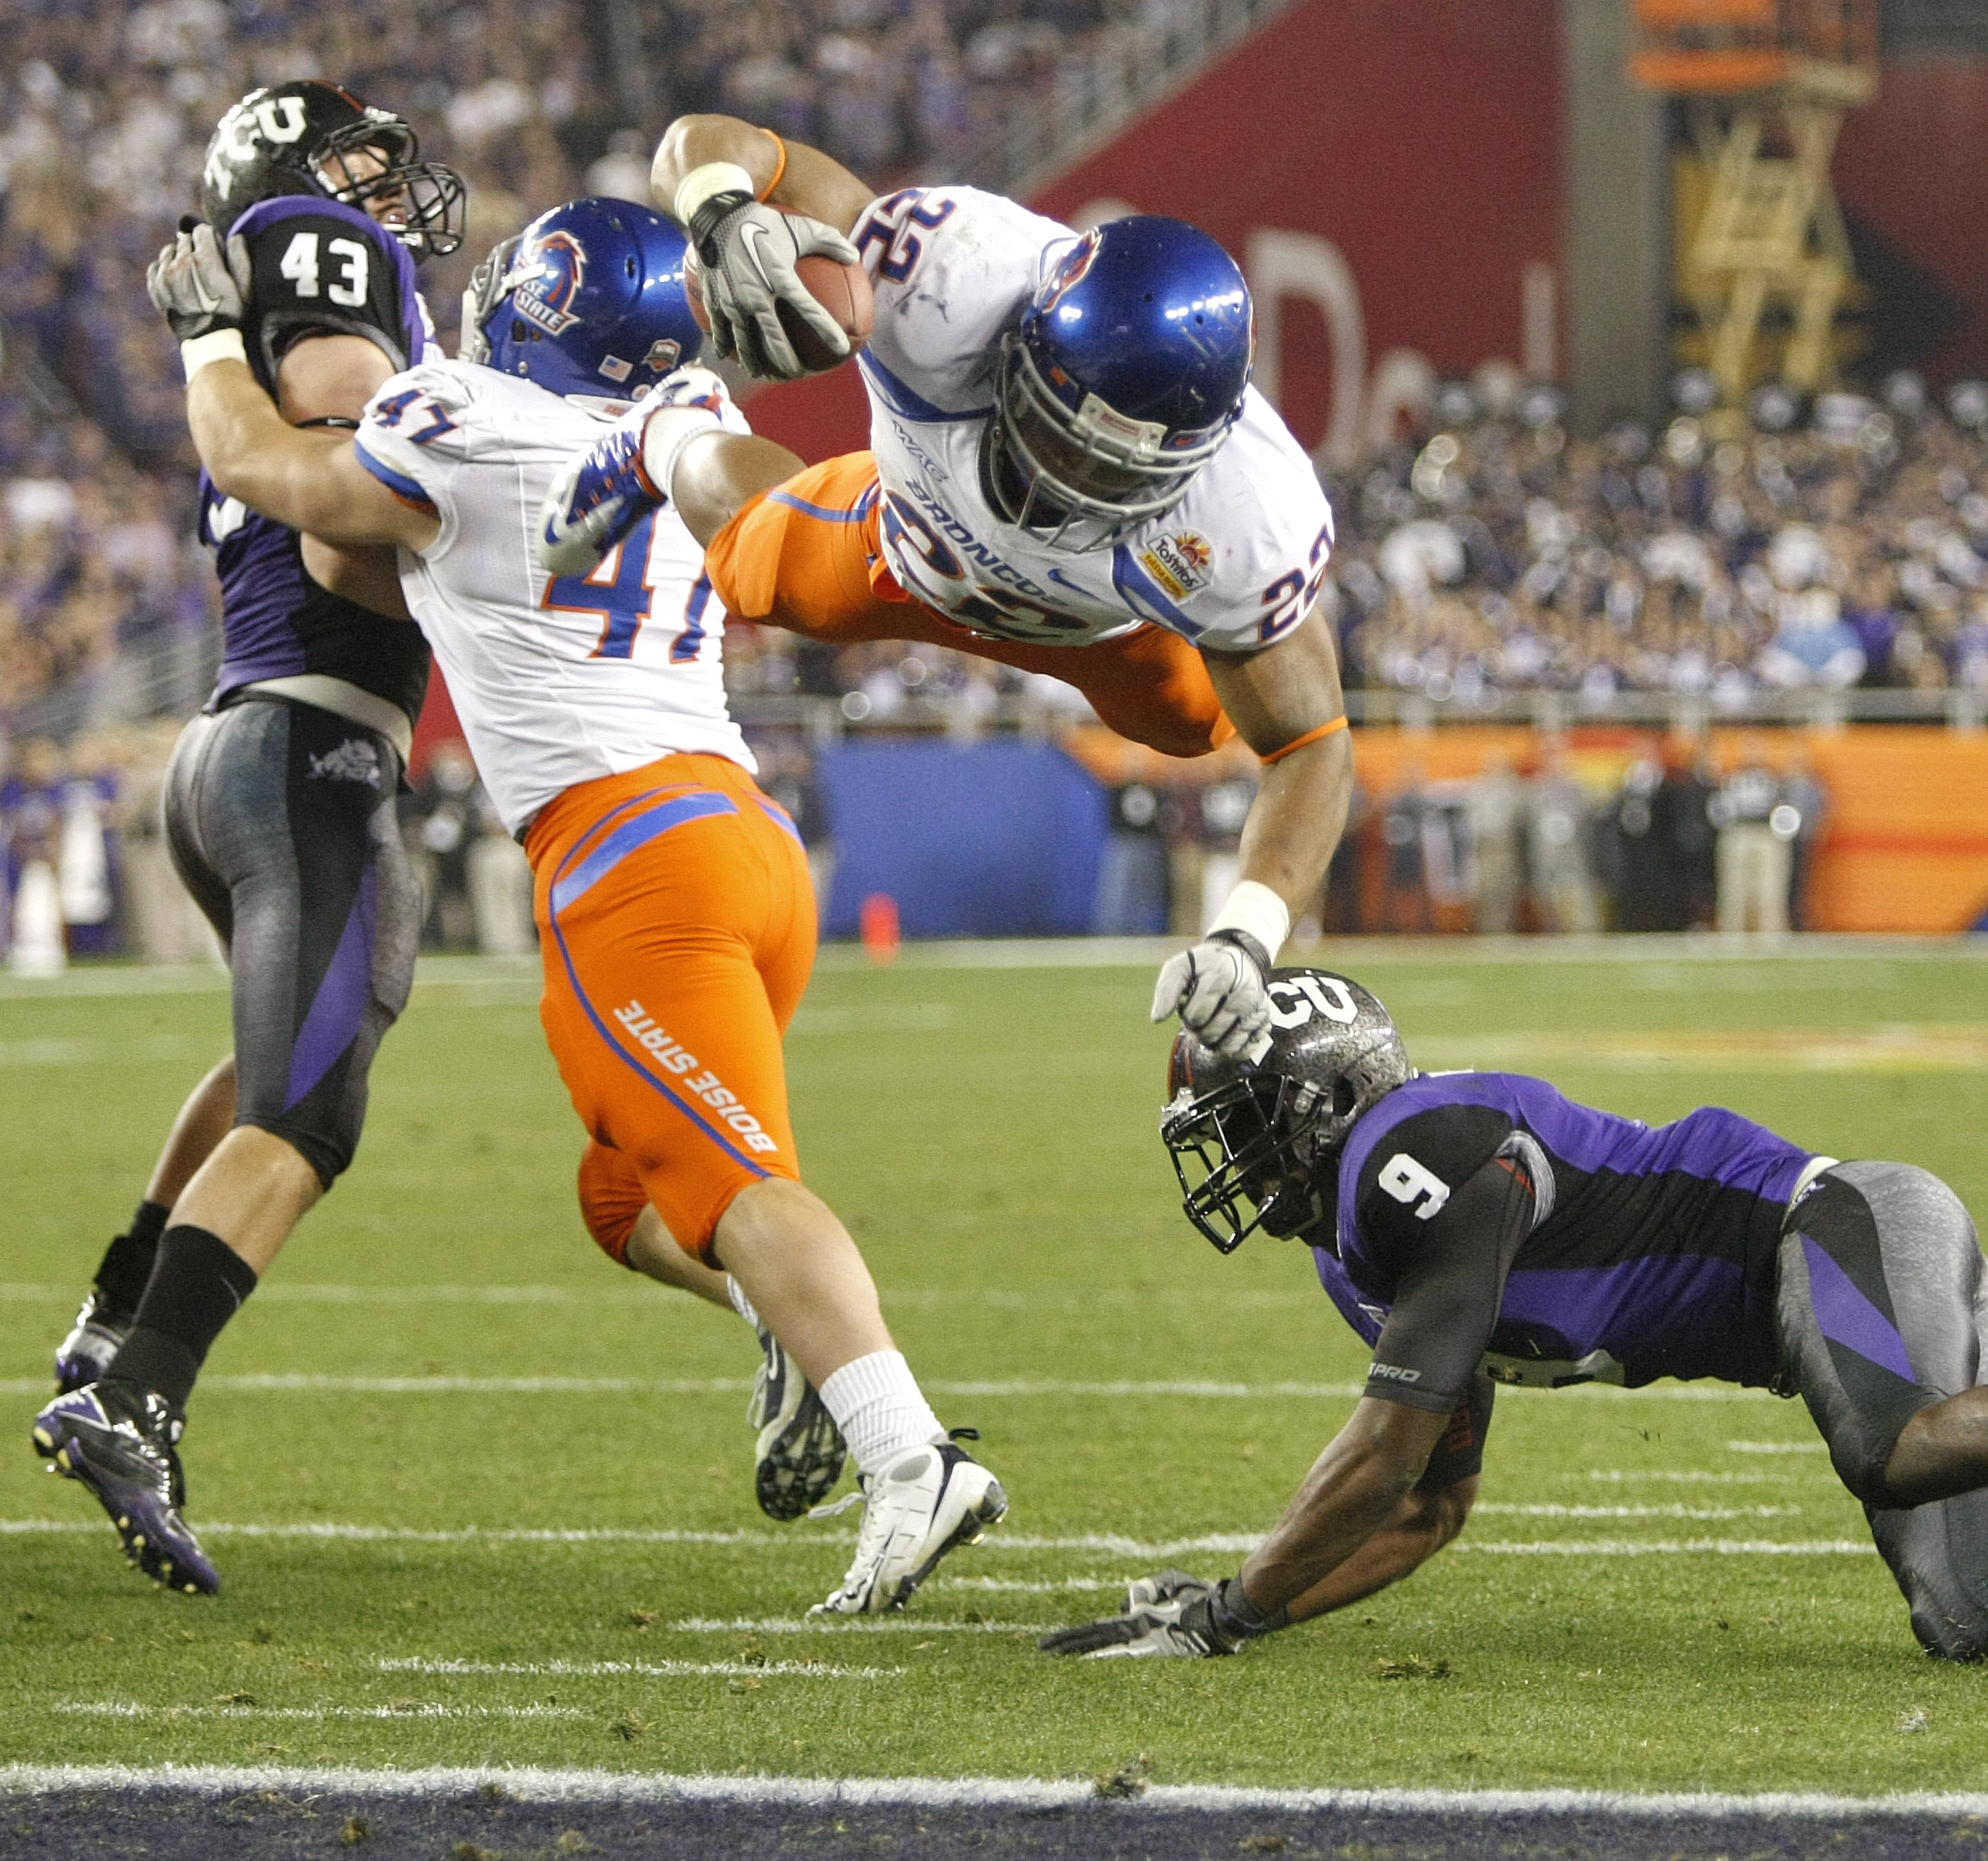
(1069, 273)
(546, 286)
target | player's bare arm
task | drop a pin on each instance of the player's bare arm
(309, 479)
(1280, 701)
(754, 207)
(1357, 1498)
(1426, 1521)
(327, 381)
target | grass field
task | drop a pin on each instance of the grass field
(478, 1497)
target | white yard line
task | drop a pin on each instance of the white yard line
(670, 1670)
(845, 1625)
(411, 1709)
(1091, 1543)
(546, 1785)
(1550, 1510)
(1777, 1447)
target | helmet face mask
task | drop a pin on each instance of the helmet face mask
(316, 138)
(1122, 378)
(1254, 1142)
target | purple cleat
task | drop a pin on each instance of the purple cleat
(119, 1440)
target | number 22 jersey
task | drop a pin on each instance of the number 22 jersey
(556, 680)
(1232, 567)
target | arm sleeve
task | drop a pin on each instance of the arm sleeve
(1452, 1280)
(416, 438)
(1460, 1454)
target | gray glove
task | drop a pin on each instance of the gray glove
(746, 252)
(197, 286)
(1219, 989)
(1173, 1614)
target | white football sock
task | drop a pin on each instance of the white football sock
(740, 1303)
(877, 1404)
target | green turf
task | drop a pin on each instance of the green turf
(989, 1135)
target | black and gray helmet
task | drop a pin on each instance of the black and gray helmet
(292, 139)
(1250, 1137)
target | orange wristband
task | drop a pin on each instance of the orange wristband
(1309, 737)
(767, 192)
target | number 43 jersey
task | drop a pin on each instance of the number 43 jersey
(1485, 1220)
(556, 680)
(1232, 567)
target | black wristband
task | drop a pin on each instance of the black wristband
(705, 221)
(1250, 947)
(1238, 1620)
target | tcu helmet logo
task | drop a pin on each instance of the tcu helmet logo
(544, 291)
(1070, 268)
(256, 119)
(1297, 999)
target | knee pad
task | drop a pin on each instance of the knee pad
(611, 1198)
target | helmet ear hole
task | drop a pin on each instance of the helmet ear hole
(1344, 1098)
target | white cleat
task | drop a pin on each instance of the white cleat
(918, 1506)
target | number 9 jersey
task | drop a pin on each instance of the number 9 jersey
(557, 680)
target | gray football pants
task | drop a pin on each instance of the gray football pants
(1882, 1308)
(281, 820)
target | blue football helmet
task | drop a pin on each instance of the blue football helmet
(587, 300)
(1121, 381)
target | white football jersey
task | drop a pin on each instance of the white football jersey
(556, 680)
(1234, 566)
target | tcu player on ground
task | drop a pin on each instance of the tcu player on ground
(676, 916)
(1478, 1228)
(280, 797)
(1069, 472)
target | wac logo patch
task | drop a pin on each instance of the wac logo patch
(1179, 563)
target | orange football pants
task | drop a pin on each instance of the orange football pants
(677, 926)
(805, 556)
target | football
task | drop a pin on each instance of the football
(843, 291)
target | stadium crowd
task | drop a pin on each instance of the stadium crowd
(1708, 560)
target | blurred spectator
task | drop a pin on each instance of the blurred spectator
(438, 821)
(1558, 834)
(1496, 810)
(1804, 807)
(1133, 888)
(1756, 849)
(500, 878)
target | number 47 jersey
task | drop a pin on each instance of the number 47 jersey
(556, 680)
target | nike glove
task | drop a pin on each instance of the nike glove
(196, 285)
(1174, 1614)
(1219, 989)
(746, 253)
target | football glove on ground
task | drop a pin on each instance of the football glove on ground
(1219, 990)
(196, 285)
(1171, 1614)
(746, 252)
(606, 491)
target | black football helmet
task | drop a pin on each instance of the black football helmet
(293, 139)
(1263, 1130)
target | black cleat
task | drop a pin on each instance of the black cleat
(799, 1453)
(96, 1336)
(119, 1441)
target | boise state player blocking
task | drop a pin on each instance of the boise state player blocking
(672, 897)
(280, 802)
(1481, 1228)
(1068, 472)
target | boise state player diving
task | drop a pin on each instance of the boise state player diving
(675, 911)
(1068, 472)
(280, 797)
(1480, 1228)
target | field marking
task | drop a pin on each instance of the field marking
(1777, 1447)
(846, 1625)
(1904, 1048)
(1025, 1586)
(1094, 1543)
(1681, 1477)
(669, 1669)
(129, 1709)
(536, 1784)
(1550, 1510)
(1022, 1389)
(1613, 1547)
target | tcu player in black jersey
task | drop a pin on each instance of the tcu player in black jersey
(280, 797)
(1479, 1228)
